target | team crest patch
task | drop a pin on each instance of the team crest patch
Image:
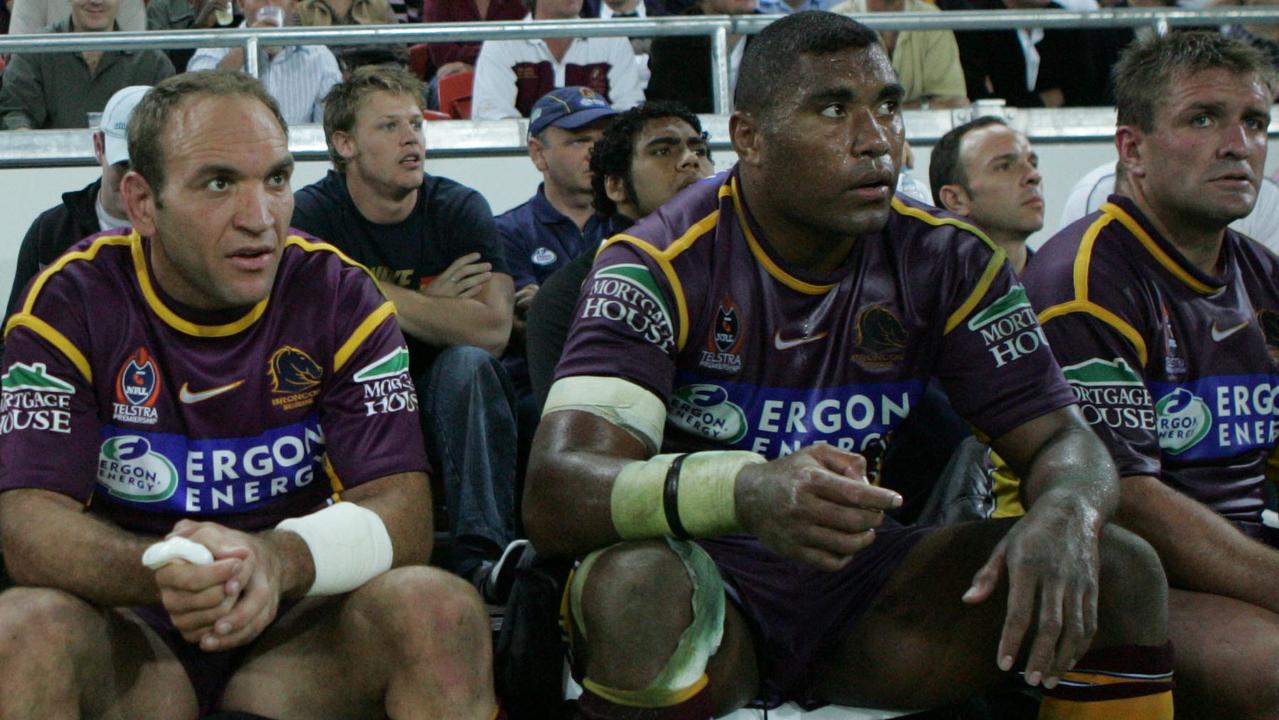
(881, 338)
(724, 342)
(137, 386)
(33, 399)
(295, 377)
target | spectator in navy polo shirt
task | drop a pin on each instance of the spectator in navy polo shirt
(558, 223)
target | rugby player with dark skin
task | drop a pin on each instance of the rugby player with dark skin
(817, 170)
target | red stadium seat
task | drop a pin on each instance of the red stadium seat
(435, 115)
(420, 59)
(455, 94)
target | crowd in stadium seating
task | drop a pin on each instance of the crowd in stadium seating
(1026, 68)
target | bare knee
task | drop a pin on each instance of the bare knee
(40, 631)
(430, 612)
(40, 618)
(1133, 598)
(636, 603)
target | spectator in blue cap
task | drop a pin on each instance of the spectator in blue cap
(557, 224)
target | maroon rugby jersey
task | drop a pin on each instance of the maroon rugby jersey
(114, 399)
(749, 353)
(1174, 369)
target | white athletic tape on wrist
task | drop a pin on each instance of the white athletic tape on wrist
(705, 495)
(620, 402)
(176, 548)
(349, 546)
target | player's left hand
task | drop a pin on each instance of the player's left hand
(1049, 556)
(463, 278)
(258, 580)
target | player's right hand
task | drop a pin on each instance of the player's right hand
(814, 505)
(197, 596)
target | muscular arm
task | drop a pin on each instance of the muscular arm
(574, 460)
(1064, 463)
(1051, 556)
(1200, 549)
(50, 541)
(483, 320)
(814, 506)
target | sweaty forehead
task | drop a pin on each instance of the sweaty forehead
(1216, 86)
(860, 70)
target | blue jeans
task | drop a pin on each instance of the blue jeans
(468, 420)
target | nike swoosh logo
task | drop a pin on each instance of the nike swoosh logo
(1219, 335)
(783, 344)
(190, 398)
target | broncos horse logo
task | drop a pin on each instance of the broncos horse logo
(293, 371)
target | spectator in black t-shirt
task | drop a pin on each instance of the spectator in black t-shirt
(432, 245)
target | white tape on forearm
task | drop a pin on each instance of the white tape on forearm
(349, 546)
(176, 548)
(707, 491)
(706, 494)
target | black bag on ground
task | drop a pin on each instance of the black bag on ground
(528, 658)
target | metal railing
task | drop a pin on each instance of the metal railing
(718, 28)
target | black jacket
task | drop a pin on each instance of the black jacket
(55, 230)
(1076, 62)
(681, 70)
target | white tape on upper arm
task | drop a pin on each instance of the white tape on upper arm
(620, 402)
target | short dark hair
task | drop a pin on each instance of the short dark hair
(614, 151)
(151, 117)
(1147, 68)
(342, 104)
(768, 63)
(944, 165)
